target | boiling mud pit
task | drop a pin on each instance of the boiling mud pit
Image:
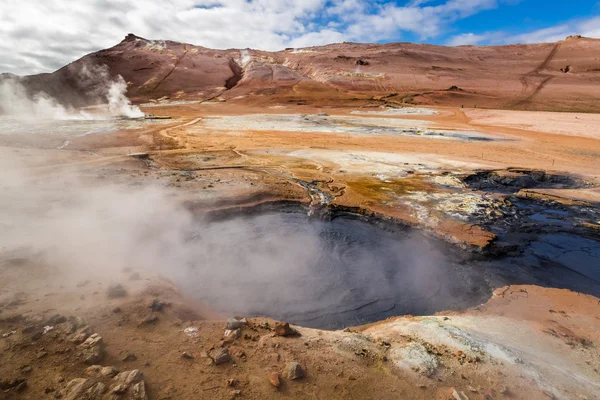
(350, 271)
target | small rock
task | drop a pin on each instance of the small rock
(284, 329)
(93, 349)
(235, 334)
(274, 379)
(294, 370)
(116, 310)
(187, 355)
(157, 305)
(131, 383)
(150, 319)
(232, 382)
(459, 395)
(10, 383)
(7, 334)
(100, 371)
(81, 335)
(236, 393)
(116, 291)
(233, 323)
(21, 386)
(26, 369)
(130, 357)
(220, 356)
(49, 389)
(42, 354)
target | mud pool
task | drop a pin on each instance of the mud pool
(349, 271)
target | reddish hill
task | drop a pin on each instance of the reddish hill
(553, 76)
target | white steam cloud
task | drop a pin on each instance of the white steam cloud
(88, 230)
(118, 103)
(15, 102)
(106, 91)
(245, 57)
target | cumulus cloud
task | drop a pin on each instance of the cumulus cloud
(589, 27)
(42, 36)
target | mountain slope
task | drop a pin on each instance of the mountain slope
(559, 76)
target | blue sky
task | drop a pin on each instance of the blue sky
(522, 17)
(43, 35)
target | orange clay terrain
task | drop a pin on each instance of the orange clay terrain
(419, 249)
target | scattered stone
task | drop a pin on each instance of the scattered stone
(220, 356)
(234, 323)
(81, 335)
(130, 383)
(47, 329)
(116, 291)
(42, 354)
(26, 369)
(459, 395)
(235, 393)
(191, 331)
(157, 305)
(6, 384)
(150, 319)
(100, 371)
(49, 389)
(187, 355)
(130, 357)
(274, 379)
(294, 370)
(233, 334)
(284, 329)
(116, 310)
(7, 334)
(81, 388)
(232, 382)
(21, 386)
(93, 349)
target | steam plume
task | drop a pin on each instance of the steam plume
(16, 103)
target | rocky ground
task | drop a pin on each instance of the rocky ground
(93, 324)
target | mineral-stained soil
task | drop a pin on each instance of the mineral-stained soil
(102, 226)
(525, 77)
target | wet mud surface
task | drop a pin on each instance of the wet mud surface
(332, 273)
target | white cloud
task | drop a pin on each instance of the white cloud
(43, 35)
(466, 39)
(589, 27)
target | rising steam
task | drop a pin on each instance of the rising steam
(299, 270)
(118, 103)
(15, 102)
(109, 93)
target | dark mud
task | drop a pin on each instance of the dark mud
(350, 270)
(513, 180)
